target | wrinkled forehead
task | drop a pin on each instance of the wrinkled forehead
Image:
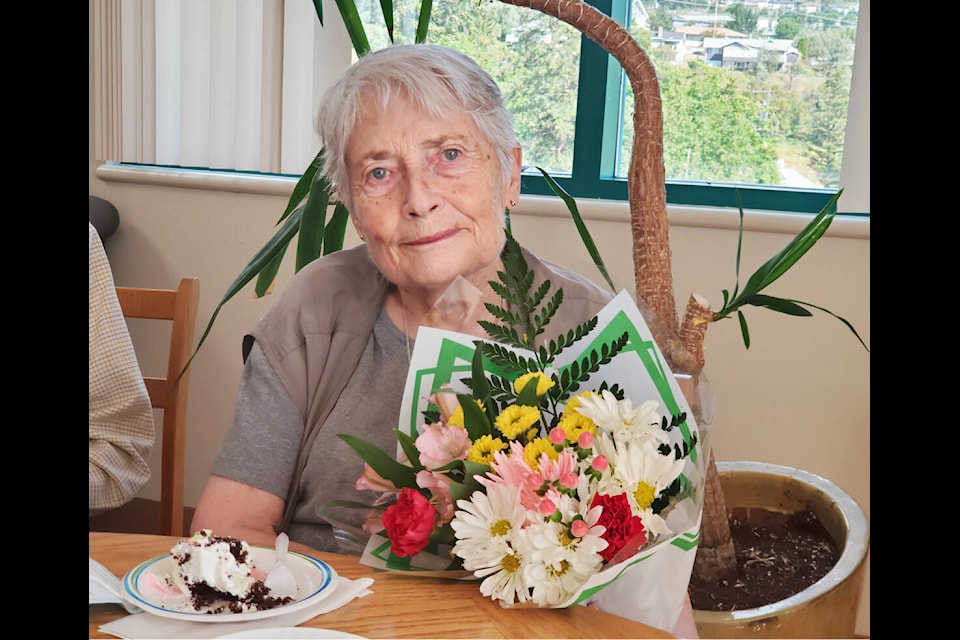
(435, 99)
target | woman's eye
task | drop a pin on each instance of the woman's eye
(451, 154)
(379, 173)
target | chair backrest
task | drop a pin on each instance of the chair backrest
(169, 393)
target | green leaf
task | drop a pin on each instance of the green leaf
(386, 7)
(354, 26)
(302, 189)
(788, 307)
(336, 229)
(474, 418)
(736, 286)
(409, 447)
(463, 490)
(423, 20)
(776, 266)
(268, 274)
(743, 329)
(581, 227)
(312, 223)
(481, 388)
(273, 249)
(389, 468)
(528, 395)
(849, 326)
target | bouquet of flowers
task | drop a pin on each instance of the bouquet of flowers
(522, 474)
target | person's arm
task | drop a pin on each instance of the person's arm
(232, 508)
(245, 495)
(120, 415)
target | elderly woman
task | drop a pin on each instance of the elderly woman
(422, 152)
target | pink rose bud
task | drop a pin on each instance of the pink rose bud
(546, 507)
(600, 464)
(569, 480)
(579, 528)
(557, 435)
(585, 441)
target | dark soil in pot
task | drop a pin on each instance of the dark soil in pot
(778, 555)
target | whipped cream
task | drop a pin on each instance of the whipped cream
(223, 564)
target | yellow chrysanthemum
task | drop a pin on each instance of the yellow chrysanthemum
(543, 382)
(483, 449)
(531, 452)
(570, 408)
(573, 424)
(516, 419)
(456, 418)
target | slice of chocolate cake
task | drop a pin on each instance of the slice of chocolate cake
(219, 574)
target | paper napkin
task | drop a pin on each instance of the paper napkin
(148, 626)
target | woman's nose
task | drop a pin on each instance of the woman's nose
(423, 194)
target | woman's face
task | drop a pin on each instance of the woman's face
(428, 196)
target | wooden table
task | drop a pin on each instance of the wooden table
(400, 606)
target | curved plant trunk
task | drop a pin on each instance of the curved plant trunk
(646, 188)
(646, 181)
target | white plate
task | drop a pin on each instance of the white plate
(315, 581)
(293, 633)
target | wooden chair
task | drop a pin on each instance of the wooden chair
(167, 393)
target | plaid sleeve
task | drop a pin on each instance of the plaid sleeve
(121, 418)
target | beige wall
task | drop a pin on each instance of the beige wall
(799, 396)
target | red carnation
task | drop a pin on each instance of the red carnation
(409, 523)
(622, 526)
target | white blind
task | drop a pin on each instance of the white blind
(218, 84)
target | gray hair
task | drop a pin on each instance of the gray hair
(438, 79)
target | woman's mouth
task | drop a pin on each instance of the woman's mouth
(432, 238)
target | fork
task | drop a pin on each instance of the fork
(102, 576)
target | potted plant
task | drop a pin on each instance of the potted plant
(681, 341)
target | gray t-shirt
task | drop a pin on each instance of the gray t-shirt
(262, 444)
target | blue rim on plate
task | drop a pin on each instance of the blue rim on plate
(314, 577)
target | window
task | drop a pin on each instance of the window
(743, 86)
(742, 107)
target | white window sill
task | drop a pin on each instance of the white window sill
(856, 227)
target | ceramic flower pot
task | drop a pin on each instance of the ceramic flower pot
(826, 609)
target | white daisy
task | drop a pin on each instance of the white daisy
(487, 527)
(501, 565)
(621, 420)
(496, 514)
(644, 473)
(655, 525)
(552, 582)
(558, 562)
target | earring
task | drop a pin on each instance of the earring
(513, 203)
(363, 238)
